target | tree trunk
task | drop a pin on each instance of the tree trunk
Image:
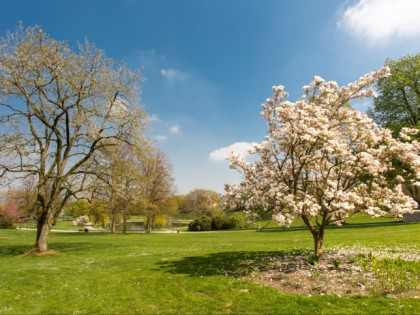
(112, 223)
(152, 225)
(148, 224)
(317, 234)
(318, 246)
(124, 224)
(319, 241)
(42, 231)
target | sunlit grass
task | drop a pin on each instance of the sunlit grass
(185, 273)
(359, 218)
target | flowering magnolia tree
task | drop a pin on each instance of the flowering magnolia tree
(323, 161)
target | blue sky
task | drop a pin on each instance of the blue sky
(209, 65)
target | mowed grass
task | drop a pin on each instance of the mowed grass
(185, 273)
(357, 219)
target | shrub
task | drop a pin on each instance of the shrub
(5, 221)
(9, 214)
(159, 222)
(200, 224)
(223, 223)
(205, 223)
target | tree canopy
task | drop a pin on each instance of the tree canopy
(398, 101)
(322, 161)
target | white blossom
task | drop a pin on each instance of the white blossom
(322, 159)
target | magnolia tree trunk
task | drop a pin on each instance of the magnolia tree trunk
(42, 231)
(318, 241)
(317, 234)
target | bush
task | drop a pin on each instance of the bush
(223, 223)
(200, 224)
(216, 223)
(9, 214)
(159, 222)
(5, 221)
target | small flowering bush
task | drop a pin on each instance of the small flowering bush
(9, 214)
(324, 161)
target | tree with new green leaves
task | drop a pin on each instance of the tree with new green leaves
(398, 101)
(199, 201)
(58, 107)
(123, 180)
(157, 189)
(79, 208)
(398, 106)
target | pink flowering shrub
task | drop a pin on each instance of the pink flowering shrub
(324, 161)
(9, 214)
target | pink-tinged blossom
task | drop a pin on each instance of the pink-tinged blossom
(323, 160)
(11, 209)
(10, 213)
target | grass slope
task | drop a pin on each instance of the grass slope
(175, 273)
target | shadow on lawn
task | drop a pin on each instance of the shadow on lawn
(334, 227)
(225, 263)
(15, 250)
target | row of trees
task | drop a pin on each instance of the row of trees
(72, 122)
(128, 182)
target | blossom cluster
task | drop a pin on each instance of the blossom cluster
(323, 159)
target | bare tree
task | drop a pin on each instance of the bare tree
(58, 107)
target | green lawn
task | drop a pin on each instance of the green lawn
(181, 273)
(358, 218)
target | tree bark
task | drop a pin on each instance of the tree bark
(124, 224)
(148, 224)
(42, 231)
(319, 242)
(317, 234)
(112, 223)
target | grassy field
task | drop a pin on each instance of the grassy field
(181, 273)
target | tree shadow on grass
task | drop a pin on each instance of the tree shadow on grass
(334, 227)
(13, 250)
(16, 250)
(226, 263)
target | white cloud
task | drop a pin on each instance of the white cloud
(238, 147)
(381, 20)
(153, 117)
(172, 74)
(175, 129)
(161, 138)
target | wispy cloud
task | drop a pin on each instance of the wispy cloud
(238, 147)
(161, 138)
(175, 129)
(153, 117)
(172, 74)
(381, 20)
